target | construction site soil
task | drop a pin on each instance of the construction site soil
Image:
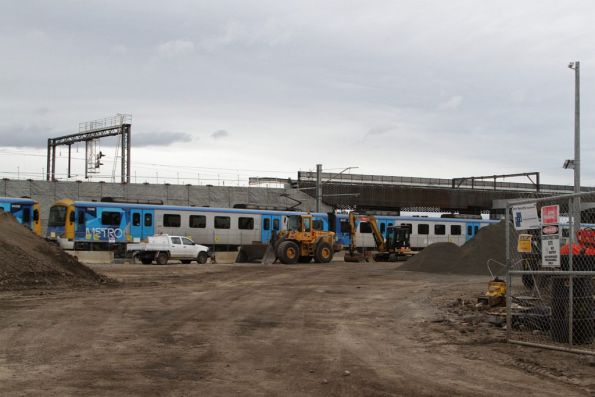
(471, 258)
(27, 260)
(340, 329)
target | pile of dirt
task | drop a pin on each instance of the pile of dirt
(27, 260)
(471, 258)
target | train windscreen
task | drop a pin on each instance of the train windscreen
(57, 216)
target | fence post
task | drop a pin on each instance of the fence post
(508, 274)
(572, 205)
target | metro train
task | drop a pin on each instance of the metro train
(26, 212)
(83, 225)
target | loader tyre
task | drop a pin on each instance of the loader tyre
(202, 257)
(288, 252)
(162, 258)
(324, 253)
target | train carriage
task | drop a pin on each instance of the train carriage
(423, 230)
(110, 226)
(26, 211)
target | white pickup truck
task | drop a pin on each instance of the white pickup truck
(163, 247)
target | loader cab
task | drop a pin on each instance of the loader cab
(300, 223)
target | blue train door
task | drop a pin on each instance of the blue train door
(141, 224)
(270, 224)
(80, 231)
(472, 229)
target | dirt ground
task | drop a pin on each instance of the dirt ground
(249, 330)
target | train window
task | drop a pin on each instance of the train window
(135, 219)
(148, 220)
(345, 228)
(275, 224)
(390, 224)
(475, 229)
(317, 224)
(439, 230)
(266, 225)
(423, 228)
(35, 215)
(71, 217)
(176, 240)
(57, 216)
(245, 223)
(407, 226)
(455, 230)
(81, 218)
(222, 222)
(110, 218)
(469, 230)
(364, 227)
(382, 227)
(197, 221)
(26, 215)
(171, 220)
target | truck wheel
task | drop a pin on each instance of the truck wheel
(202, 258)
(185, 261)
(146, 261)
(324, 253)
(288, 252)
(162, 258)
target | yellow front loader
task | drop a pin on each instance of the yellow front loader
(300, 242)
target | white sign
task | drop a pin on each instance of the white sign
(550, 246)
(525, 217)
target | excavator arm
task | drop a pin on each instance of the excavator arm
(378, 238)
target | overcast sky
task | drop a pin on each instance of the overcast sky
(412, 88)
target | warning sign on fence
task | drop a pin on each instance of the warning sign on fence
(550, 215)
(525, 217)
(550, 246)
(524, 244)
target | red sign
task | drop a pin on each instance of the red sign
(550, 215)
(551, 229)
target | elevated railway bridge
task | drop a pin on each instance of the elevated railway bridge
(472, 195)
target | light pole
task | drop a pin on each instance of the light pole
(577, 126)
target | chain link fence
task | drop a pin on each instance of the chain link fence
(550, 250)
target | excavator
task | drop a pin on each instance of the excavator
(394, 247)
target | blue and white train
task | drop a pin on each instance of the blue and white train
(84, 225)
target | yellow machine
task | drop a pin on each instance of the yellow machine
(396, 245)
(300, 242)
(496, 293)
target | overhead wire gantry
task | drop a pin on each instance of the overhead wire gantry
(90, 132)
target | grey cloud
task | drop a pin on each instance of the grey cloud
(159, 138)
(36, 137)
(33, 136)
(219, 134)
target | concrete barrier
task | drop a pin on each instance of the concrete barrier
(93, 257)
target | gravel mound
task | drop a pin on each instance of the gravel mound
(471, 258)
(27, 260)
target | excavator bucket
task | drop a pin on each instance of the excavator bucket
(356, 257)
(269, 255)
